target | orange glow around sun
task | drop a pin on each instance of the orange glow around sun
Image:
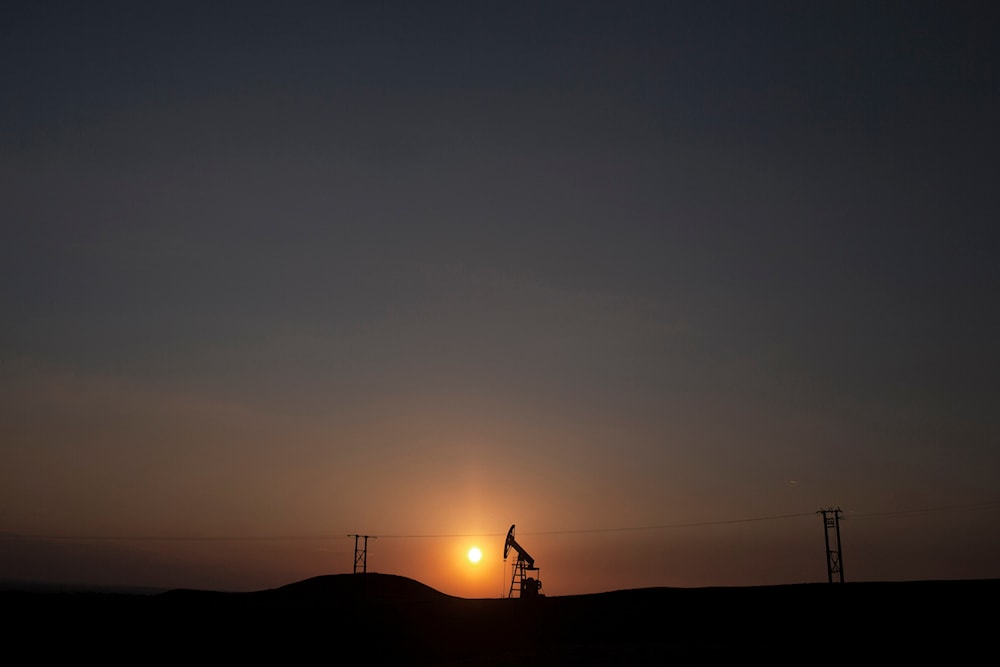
(462, 566)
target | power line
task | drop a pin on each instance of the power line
(574, 531)
(303, 538)
(442, 535)
(175, 538)
(577, 531)
(946, 508)
(669, 525)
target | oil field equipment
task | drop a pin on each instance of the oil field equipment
(524, 581)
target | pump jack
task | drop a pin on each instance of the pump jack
(526, 586)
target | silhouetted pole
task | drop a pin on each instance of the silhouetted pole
(840, 552)
(361, 553)
(826, 541)
(834, 554)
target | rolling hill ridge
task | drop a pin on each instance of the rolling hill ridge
(399, 619)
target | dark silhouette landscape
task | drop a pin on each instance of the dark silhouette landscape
(389, 619)
(658, 281)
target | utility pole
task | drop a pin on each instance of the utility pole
(834, 555)
(361, 552)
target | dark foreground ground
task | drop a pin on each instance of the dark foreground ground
(384, 619)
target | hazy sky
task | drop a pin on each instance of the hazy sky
(655, 282)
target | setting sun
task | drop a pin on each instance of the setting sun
(475, 554)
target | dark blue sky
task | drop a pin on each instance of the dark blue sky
(412, 268)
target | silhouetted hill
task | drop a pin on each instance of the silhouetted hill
(327, 590)
(383, 618)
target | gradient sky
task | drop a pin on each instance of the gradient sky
(655, 282)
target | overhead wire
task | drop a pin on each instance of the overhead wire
(571, 531)
(945, 508)
(695, 524)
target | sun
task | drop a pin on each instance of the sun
(475, 555)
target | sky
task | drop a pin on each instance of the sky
(654, 282)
